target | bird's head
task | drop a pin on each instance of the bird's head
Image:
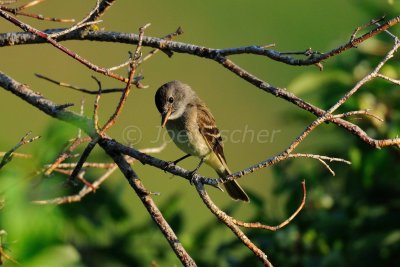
(171, 100)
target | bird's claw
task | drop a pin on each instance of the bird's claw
(169, 164)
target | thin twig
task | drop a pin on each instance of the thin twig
(282, 224)
(81, 113)
(83, 90)
(8, 156)
(98, 11)
(358, 112)
(67, 153)
(83, 158)
(397, 82)
(126, 92)
(74, 28)
(321, 159)
(82, 193)
(372, 22)
(110, 167)
(96, 105)
(17, 11)
(170, 36)
(17, 155)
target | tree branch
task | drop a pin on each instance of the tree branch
(225, 218)
(152, 208)
(218, 55)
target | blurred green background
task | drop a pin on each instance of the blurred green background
(351, 219)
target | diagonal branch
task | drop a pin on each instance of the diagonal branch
(64, 49)
(225, 218)
(152, 208)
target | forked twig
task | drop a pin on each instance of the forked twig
(8, 156)
(170, 36)
(321, 159)
(18, 11)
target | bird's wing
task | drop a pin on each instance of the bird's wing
(210, 132)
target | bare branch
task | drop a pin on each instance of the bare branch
(17, 155)
(397, 82)
(282, 224)
(67, 51)
(111, 167)
(170, 36)
(83, 158)
(17, 11)
(74, 28)
(83, 90)
(226, 219)
(67, 153)
(9, 154)
(358, 112)
(126, 92)
(81, 113)
(82, 193)
(151, 207)
(321, 159)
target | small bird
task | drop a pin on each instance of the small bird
(192, 127)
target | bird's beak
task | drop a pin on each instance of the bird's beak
(165, 116)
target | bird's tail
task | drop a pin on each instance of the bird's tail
(233, 188)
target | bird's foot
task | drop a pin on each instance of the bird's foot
(170, 164)
(193, 174)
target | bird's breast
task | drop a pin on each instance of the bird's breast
(187, 138)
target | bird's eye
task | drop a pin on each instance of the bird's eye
(171, 99)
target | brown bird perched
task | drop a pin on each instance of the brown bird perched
(192, 127)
